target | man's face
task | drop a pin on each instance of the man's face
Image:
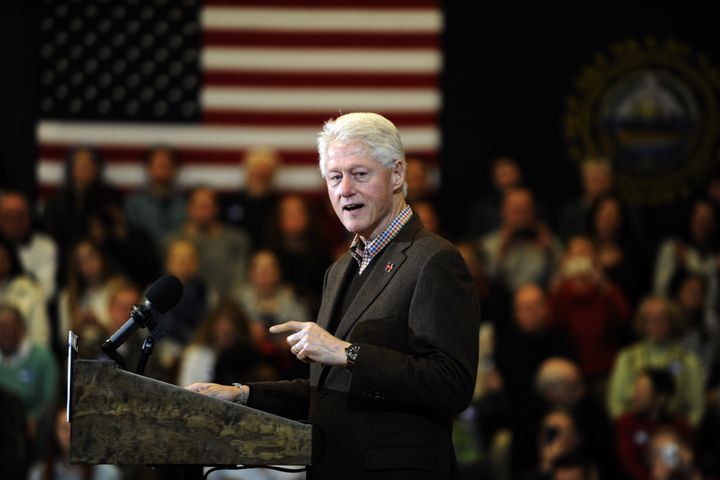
(530, 309)
(203, 208)
(361, 189)
(121, 304)
(14, 217)
(161, 168)
(10, 333)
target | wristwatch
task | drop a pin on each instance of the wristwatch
(351, 353)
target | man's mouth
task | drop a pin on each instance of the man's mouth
(352, 207)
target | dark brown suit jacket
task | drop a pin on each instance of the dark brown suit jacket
(416, 318)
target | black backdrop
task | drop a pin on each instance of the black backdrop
(506, 77)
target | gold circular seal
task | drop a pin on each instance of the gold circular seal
(652, 107)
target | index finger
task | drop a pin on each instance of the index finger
(287, 327)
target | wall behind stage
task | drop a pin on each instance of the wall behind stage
(506, 78)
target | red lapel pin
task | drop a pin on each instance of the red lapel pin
(389, 267)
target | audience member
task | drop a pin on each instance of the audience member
(652, 391)
(671, 456)
(485, 213)
(122, 296)
(268, 301)
(57, 465)
(159, 209)
(24, 293)
(82, 305)
(590, 310)
(300, 248)
(15, 441)
(38, 252)
(419, 184)
(26, 369)
(223, 250)
(659, 323)
(253, 206)
(523, 250)
(198, 298)
(596, 179)
(557, 437)
(559, 385)
(701, 334)
(84, 194)
(226, 326)
(696, 250)
(617, 241)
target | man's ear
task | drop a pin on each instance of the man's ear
(398, 176)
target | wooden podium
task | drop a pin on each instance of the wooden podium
(118, 417)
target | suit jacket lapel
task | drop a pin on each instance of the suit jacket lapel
(388, 263)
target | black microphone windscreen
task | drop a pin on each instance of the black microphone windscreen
(165, 293)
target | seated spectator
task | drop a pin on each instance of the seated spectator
(419, 184)
(653, 390)
(223, 250)
(523, 250)
(557, 437)
(559, 385)
(225, 327)
(26, 369)
(268, 301)
(300, 248)
(697, 250)
(82, 305)
(130, 250)
(428, 215)
(252, 207)
(160, 208)
(620, 253)
(485, 213)
(38, 252)
(15, 445)
(590, 310)
(596, 176)
(122, 296)
(659, 323)
(84, 193)
(573, 466)
(702, 330)
(671, 456)
(24, 293)
(198, 298)
(57, 465)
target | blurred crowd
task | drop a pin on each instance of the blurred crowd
(599, 345)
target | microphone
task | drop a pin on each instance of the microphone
(161, 296)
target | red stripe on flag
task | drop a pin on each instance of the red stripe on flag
(234, 117)
(220, 78)
(325, 40)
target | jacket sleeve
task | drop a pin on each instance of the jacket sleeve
(439, 370)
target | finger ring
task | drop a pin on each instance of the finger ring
(295, 349)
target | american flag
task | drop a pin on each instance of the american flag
(218, 77)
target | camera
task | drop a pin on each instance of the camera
(578, 265)
(670, 454)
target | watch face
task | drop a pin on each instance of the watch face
(352, 352)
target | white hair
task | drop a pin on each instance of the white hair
(373, 132)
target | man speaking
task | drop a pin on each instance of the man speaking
(394, 351)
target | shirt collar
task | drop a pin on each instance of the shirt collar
(363, 252)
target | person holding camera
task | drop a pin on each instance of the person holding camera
(670, 456)
(523, 250)
(591, 310)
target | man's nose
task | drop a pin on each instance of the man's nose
(347, 186)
